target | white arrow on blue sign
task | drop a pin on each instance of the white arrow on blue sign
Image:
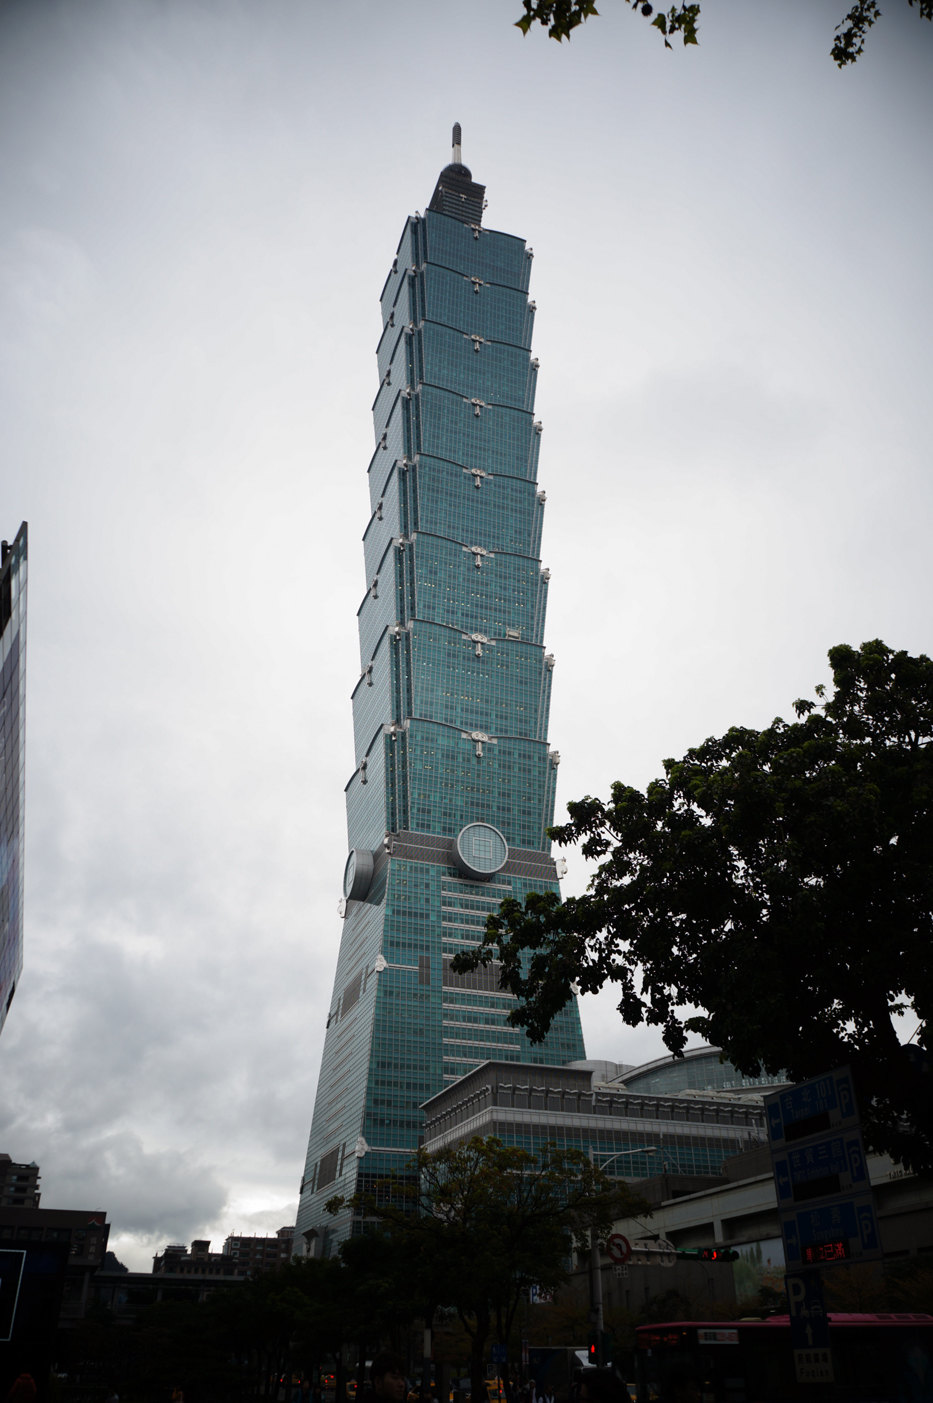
(809, 1325)
(812, 1108)
(821, 1168)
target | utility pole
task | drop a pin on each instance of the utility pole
(597, 1318)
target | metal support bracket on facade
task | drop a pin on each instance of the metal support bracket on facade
(479, 739)
(478, 553)
(481, 641)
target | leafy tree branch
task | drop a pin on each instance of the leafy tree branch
(561, 17)
(778, 881)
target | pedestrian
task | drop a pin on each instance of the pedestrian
(387, 1379)
(680, 1384)
(602, 1386)
(22, 1390)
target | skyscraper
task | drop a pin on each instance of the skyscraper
(453, 790)
(12, 757)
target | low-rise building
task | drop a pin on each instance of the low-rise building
(259, 1254)
(176, 1260)
(19, 1184)
(84, 1232)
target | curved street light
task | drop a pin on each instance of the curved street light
(596, 1278)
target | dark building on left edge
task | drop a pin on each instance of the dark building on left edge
(12, 762)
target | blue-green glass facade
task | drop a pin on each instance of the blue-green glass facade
(453, 786)
(12, 762)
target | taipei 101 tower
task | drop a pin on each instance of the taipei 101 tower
(452, 789)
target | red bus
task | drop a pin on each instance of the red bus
(875, 1359)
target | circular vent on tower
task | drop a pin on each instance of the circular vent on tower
(480, 851)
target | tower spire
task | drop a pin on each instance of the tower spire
(456, 193)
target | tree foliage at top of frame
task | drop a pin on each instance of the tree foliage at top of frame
(561, 17)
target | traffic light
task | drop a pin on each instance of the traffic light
(592, 1353)
(606, 1340)
(709, 1254)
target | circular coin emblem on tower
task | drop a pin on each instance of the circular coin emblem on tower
(357, 874)
(480, 851)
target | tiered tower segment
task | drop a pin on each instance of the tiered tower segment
(453, 790)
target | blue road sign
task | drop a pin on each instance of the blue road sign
(835, 1230)
(809, 1326)
(812, 1108)
(821, 1169)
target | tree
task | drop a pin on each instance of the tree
(296, 1315)
(477, 1224)
(780, 881)
(561, 18)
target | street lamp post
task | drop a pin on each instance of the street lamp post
(596, 1275)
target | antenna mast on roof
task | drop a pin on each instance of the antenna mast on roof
(456, 158)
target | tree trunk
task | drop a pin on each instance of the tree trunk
(478, 1361)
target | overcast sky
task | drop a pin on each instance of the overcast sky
(199, 202)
